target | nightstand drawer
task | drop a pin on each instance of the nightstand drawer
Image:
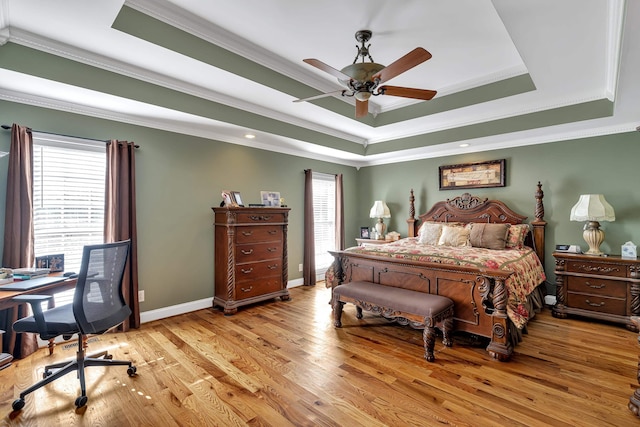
(597, 303)
(597, 267)
(597, 286)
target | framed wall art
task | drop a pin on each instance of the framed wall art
(473, 175)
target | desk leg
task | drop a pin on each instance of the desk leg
(5, 358)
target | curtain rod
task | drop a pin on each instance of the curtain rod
(7, 127)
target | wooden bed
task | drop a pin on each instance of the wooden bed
(479, 293)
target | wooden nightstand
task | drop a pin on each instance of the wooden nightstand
(605, 288)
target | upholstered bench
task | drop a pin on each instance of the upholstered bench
(418, 309)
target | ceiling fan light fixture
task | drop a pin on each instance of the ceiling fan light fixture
(363, 96)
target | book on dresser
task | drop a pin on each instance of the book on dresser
(250, 259)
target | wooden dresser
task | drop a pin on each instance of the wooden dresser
(605, 288)
(250, 256)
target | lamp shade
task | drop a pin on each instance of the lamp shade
(592, 207)
(379, 210)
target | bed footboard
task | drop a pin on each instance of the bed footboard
(479, 296)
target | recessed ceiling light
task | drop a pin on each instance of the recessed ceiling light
(464, 145)
(249, 135)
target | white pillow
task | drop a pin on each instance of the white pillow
(454, 236)
(429, 233)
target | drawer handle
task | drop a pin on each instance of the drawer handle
(593, 304)
(595, 286)
(247, 289)
(246, 271)
(272, 267)
(272, 232)
(260, 217)
(249, 252)
(272, 249)
(247, 233)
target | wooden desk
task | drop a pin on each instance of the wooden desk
(7, 302)
(6, 297)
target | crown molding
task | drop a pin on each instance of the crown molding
(615, 31)
(73, 53)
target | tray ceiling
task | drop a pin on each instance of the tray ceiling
(507, 73)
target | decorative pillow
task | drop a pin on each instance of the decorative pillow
(490, 236)
(516, 235)
(429, 233)
(454, 236)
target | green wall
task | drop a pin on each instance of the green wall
(606, 165)
(179, 179)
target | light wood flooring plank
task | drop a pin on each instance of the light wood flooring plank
(282, 363)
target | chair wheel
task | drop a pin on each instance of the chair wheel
(131, 370)
(17, 404)
(81, 401)
(108, 356)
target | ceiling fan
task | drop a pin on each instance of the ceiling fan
(363, 79)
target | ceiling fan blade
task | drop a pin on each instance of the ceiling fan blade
(362, 108)
(327, 68)
(407, 92)
(322, 95)
(415, 57)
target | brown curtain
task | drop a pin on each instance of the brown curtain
(339, 214)
(18, 232)
(120, 217)
(309, 256)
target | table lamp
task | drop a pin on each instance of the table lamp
(593, 208)
(380, 210)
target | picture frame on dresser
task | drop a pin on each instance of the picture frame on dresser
(270, 198)
(236, 198)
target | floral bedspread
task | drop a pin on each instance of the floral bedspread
(527, 268)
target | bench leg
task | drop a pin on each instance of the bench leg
(429, 336)
(337, 312)
(447, 331)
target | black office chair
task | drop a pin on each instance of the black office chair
(98, 305)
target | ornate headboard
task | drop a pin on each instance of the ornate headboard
(467, 208)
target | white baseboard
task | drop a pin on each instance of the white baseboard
(187, 307)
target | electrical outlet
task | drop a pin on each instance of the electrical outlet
(299, 267)
(140, 296)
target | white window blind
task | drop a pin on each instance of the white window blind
(68, 197)
(324, 214)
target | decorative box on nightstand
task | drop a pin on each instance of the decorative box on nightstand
(605, 288)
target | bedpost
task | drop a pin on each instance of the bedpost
(539, 224)
(411, 222)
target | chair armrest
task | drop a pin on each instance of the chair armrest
(36, 306)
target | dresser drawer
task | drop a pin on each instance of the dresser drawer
(258, 287)
(597, 267)
(258, 270)
(261, 217)
(597, 303)
(258, 252)
(597, 286)
(266, 233)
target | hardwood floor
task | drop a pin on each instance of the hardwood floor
(284, 364)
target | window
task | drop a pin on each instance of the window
(324, 214)
(68, 197)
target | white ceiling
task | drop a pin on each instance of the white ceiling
(574, 51)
